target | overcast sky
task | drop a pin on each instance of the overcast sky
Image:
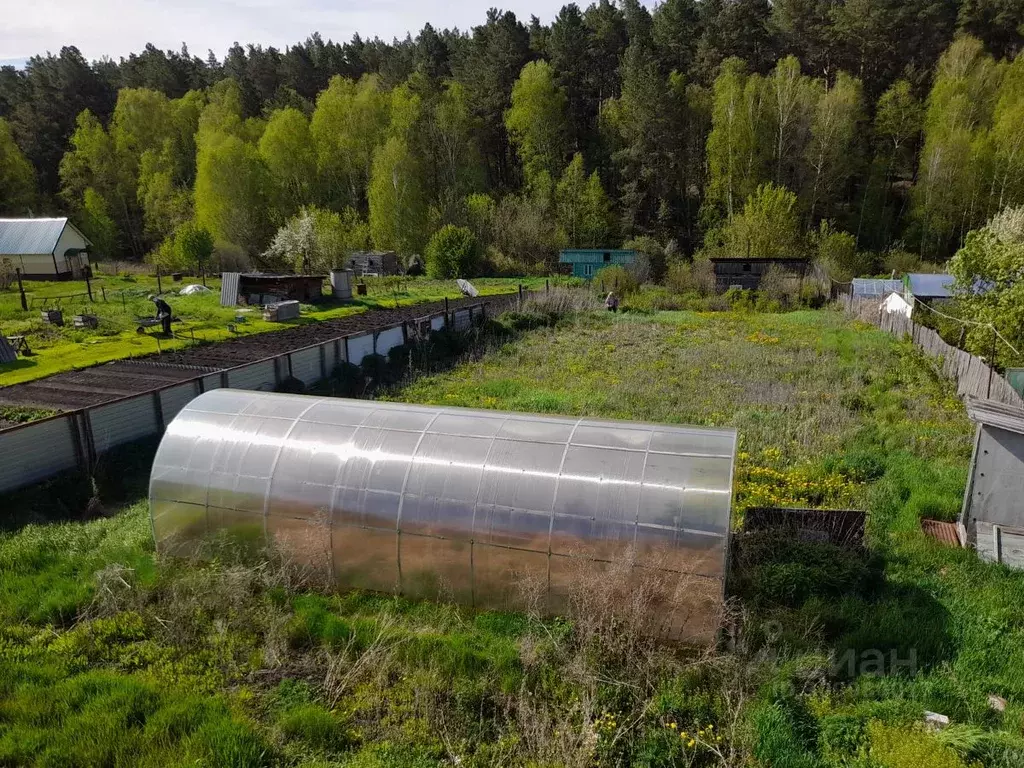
(116, 27)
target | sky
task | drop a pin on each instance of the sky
(113, 28)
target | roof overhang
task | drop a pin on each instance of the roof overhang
(995, 414)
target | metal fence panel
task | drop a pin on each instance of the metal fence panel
(122, 422)
(174, 399)
(389, 339)
(306, 365)
(256, 376)
(35, 452)
(359, 347)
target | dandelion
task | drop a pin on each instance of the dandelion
(690, 743)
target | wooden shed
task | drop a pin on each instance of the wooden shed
(586, 262)
(259, 288)
(747, 272)
(992, 516)
(373, 263)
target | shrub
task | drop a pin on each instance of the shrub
(451, 253)
(347, 380)
(900, 262)
(615, 278)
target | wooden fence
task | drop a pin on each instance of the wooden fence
(973, 375)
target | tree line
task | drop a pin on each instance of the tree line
(870, 126)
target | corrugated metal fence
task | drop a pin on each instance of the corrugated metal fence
(972, 375)
(33, 452)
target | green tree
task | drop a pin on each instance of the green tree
(398, 206)
(487, 65)
(792, 98)
(954, 189)
(451, 253)
(993, 255)
(349, 123)
(568, 48)
(738, 151)
(897, 131)
(833, 149)
(288, 152)
(453, 147)
(582, 207)
(17, 178)
(233, 192)
(96, 223)
(537, 121)
(480, 210)
(768, 227)
(194, 244)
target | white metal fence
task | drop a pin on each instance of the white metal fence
(38, 450)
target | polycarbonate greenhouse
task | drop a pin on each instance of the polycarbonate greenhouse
(476, 506)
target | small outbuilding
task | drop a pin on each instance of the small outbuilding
(373, 263)
(866, 287)
(992, 517)
(45, 249)
(586, 262)
(259, 288)
(746, 273)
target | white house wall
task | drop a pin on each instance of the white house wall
(69, 238)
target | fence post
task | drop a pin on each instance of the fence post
(991, 363)
(88, 288)
(547, 285)
(21, 290)
(520, 296)
(159, 287)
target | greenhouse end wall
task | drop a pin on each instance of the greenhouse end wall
(495, 510)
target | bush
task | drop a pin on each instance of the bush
(900, 262)
(615, 278)
(452, 253)
(347, 380)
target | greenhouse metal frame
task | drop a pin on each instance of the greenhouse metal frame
(479, 507)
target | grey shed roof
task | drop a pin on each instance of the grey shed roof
(30, 236)
(926, 286)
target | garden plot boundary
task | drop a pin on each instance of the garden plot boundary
(973, 376)
(76, 440)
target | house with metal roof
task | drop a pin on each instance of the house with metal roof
(45, 249)
(927, 287)
(586, 262)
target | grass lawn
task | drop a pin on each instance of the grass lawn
(61, 349)
(111, 656)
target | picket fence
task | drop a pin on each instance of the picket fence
(76, 440)
(973, 375)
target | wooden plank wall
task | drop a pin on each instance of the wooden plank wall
(972, 375)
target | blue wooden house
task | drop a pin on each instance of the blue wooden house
(587, 261)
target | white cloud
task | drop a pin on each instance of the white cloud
(115, 28)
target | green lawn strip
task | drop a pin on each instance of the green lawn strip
(62, 349)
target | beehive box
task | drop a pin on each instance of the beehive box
(285, 310)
